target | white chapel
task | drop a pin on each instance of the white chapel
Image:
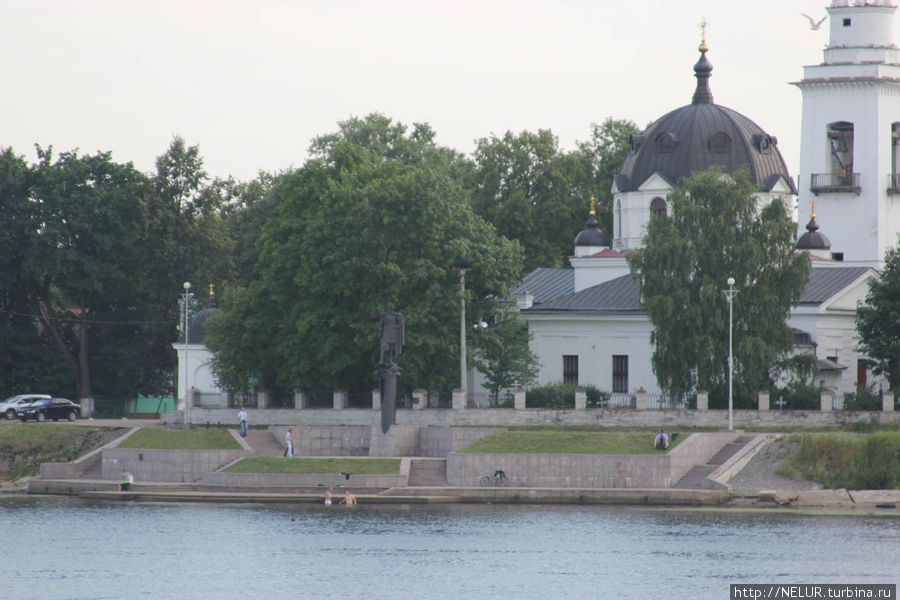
(587, 324)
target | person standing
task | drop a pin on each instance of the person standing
(242, 417)
(289, 442)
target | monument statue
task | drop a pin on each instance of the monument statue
(393, 336)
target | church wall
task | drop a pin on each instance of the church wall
(594, 340)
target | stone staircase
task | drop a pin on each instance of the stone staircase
(427, 472)
(698, 477)
(263, 443)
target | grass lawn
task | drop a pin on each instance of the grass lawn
(154, 438)
(326, 466)
(568, 442)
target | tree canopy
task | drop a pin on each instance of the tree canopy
(379, 215)
(717, 230)
(878, 320)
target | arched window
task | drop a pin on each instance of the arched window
(657, 207)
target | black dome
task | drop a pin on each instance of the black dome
(698, 136)
(592, 236)
(197, 331)
(812, 239)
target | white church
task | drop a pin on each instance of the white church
(587, 324)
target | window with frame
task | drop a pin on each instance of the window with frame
(658, 207)
(570, 369)
(620, 373)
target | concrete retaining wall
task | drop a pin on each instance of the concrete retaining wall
(589, 470)
(605, 417)
(334, 440)
(179, 466)
(262, 482)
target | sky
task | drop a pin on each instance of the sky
(252, 82)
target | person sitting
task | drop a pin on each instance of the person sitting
(661, 441)
(127, 480)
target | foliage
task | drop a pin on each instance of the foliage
(851, 461)
(596, 397)
(323, 466)
(24, 447)
(553, 395)
(716, 230)
(604, 153)
(878, 323)
(502, 353)
(862, 398)
(377, 216)
(797, 396)
(566, 442)
(527, 188)
(181, 439)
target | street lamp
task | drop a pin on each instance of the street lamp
(729, 293)
(185, 302)
(462, 266)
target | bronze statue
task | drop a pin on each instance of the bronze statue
(393, 336)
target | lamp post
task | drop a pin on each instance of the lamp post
(185, 302)
(729, 293)
(463, 266)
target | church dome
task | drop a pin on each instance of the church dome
(812, 239)
(591, 236)
(698, 136)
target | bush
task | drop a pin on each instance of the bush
(797, 397)
(596, 397)
(851, 461)
(554, 395)
(862, 399)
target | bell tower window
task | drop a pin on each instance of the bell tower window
(840, 176)
(658, 207)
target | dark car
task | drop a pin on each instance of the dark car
(49, 408)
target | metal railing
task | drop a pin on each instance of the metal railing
(621, 400)
(660, 401)
(834, 183)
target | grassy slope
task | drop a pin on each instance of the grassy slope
(358, 466)
(25, 446)
(568, 442)
(182, 439)
(849, 460)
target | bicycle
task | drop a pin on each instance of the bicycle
(496, 479)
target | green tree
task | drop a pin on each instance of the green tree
(604, 154)
(717, 230)
(878, 320)
(502, 354)
(377, 215)
(527, 188)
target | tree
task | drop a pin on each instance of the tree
(502, 353)
(376, 216)
(878, 320)
(527, 188)
(716, 231)
(604, 154)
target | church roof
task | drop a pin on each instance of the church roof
(698, 136)
(545, 284)
(622, 294)
(825, 283)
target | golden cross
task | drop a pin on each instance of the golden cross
(212, 291)
(593, 206)
(703, 26)
(812, 208)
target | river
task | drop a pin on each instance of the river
(64, 548)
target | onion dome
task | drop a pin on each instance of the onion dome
(698, 136)
(591, 236)
(812, 239)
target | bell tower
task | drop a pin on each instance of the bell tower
(850, 131)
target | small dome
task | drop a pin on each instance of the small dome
(197, 330)
(812, 239)
(591, 236)
(698, 136)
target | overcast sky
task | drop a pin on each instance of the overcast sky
(252, 82)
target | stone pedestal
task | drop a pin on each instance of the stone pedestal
(262, 399)
(519, 400)
(419, 399)
(301, 399)
(580, 400)
(340, 399)
(763, 400)
(702, 400)
(887, 401)
(826, 401)
(376, 399)
(640, 399)
(459, 400)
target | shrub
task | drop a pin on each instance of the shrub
(862, 399)
(554, 395)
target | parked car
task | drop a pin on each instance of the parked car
(49, 408)
(9, 406)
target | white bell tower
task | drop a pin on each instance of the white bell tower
(849, 153)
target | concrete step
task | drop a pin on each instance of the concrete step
(698, 477)
(264, 443)
(427, 472)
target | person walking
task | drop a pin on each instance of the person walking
(289, 442)
(242, 417)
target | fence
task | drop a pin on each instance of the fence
(621, 400)
(660, 401)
